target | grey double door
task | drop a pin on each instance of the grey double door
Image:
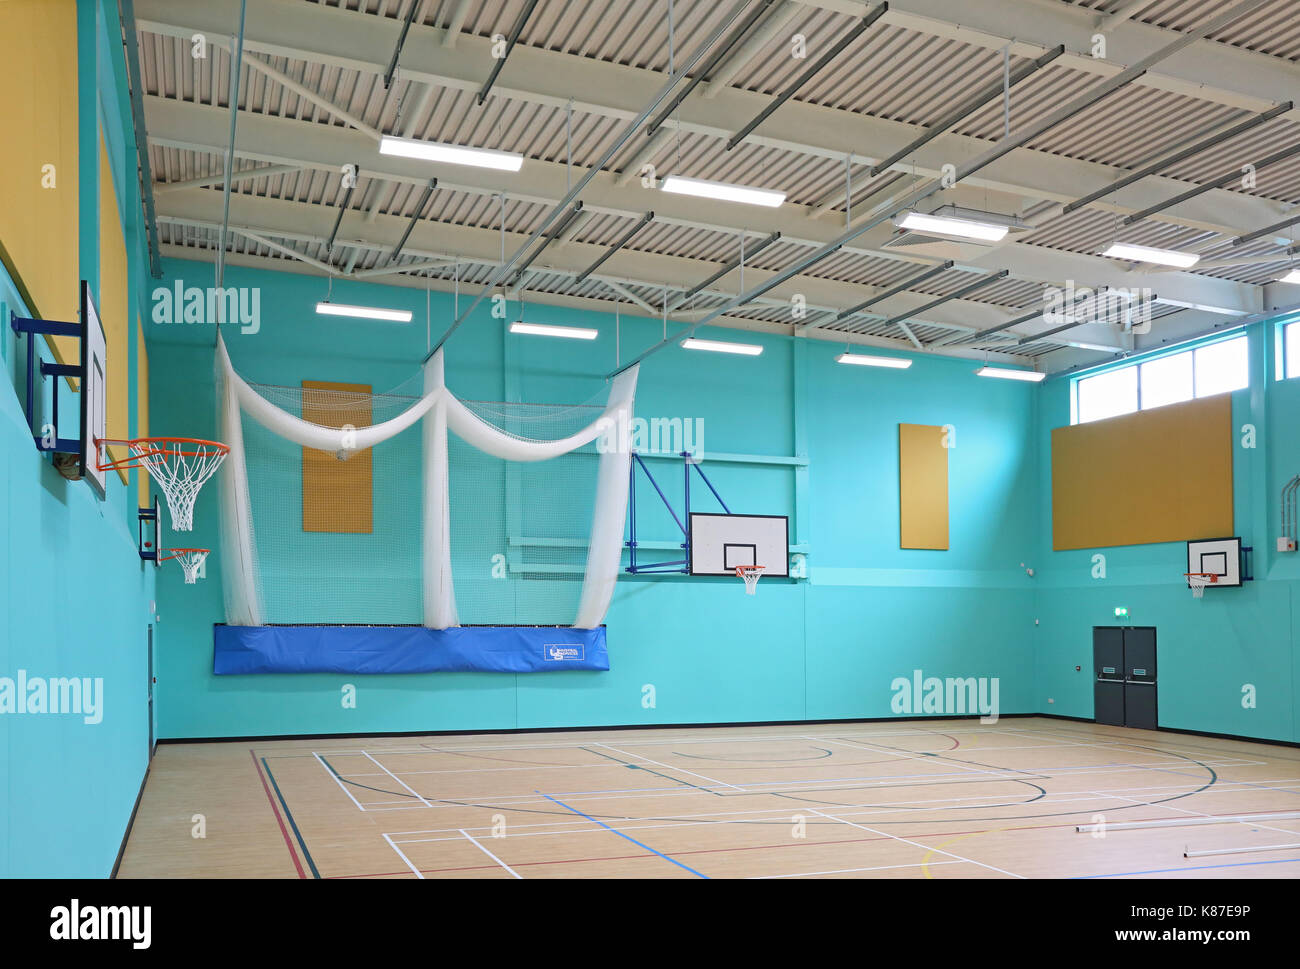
(1124, 671)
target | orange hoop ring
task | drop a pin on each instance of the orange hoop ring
(141, 447)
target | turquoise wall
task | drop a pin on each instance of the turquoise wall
(821, 441)
(75, 597)
(1210, 649)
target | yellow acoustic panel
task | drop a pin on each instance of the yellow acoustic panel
(337, 496)
(38, 166)
(1162, 475)
(112, 310)
(922, 487)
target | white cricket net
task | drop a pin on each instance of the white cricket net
(413, 507)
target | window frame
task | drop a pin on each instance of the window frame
(1190, 347)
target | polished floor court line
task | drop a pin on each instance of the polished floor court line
(900, 799)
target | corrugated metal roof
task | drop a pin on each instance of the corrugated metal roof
(889, 72)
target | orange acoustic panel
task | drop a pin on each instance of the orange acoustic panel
(1161, 475)
(922, 487)
(337, 496)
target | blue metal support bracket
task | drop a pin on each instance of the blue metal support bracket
(33, 327)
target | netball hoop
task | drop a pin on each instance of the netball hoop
(180, 465)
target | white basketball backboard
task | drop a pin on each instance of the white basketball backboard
(94, 375)
(720, 543)
(1220, 557)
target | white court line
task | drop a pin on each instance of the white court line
(418, 873)
(845, 871)
(343, 787)
(947, 762)
(882, 783)
(918, 844)
(398, 779)
(489, 854)
(680, 770)
(777, 816)
(578, 742)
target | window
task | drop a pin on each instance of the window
(1215, 368)
(1167, 380)
(1221, 367)
(1291, 349)
(1108, 395)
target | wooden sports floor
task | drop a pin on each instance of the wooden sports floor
(903, 799)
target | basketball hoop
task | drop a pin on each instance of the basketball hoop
(751, 574)
(191, 560)
(1199, 580)
(180, 465)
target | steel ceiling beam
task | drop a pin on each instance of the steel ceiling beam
(619, 244)
(891, 207)
(1213, 140)
(515, 31)
(1220, 182)
(964, 111)
(810, 72)
(126, 12)
(401, 39)
(723, 49)
(609, 153)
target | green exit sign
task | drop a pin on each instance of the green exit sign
(1121, 612)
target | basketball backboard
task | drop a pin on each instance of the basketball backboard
(1220, 557)
(720, 543)
(94, 392)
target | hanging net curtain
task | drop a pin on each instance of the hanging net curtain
(363, 501)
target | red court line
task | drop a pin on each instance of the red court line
(278, 820)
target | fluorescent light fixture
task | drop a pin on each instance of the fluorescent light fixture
(1033, 376)
(949, 226)
(506, 161)
(543, 329)
(748, 349)
(1292, 277)
(866, 360)
(364, 312)
(722, 190)
(1161, 257)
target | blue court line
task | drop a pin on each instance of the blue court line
(1163, 871)
(293, 824)
(622, 835)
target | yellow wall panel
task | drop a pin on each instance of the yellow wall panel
(922, 487)
(1162, 475)
(337, 496)
(38, 102)
(112, 308)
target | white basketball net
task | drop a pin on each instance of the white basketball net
(191, 560)
(181, 469)
(751, 574)
(1198, 584)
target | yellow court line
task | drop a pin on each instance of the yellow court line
(925, 862)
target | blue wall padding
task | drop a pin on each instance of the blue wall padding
(406, 649)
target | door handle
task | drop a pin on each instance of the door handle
(1142, 682)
